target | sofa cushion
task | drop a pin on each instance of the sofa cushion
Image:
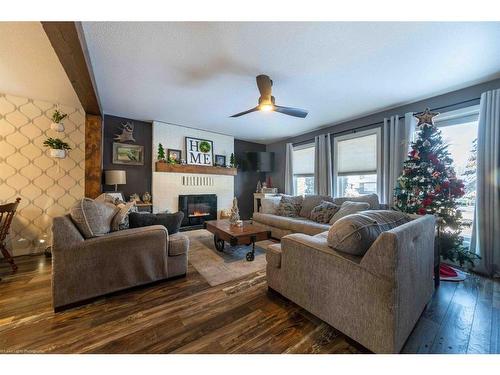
(311, 201)
(93, 218)
(178, 244)
(294, 224)
(354, 234)
(372, 199)
(290, 206)
(270, 205)
(170, 221)
(349, 208)
(323, 212)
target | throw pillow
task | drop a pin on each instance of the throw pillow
(372, 199)
(290, 206)
(323, 212)
(270, 205)
(349, 208)
(93, 218)
(311, 201)
(170, 221)
(121, 220)
(354, 234)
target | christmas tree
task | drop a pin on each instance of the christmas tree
(161, 152)
(429, 185)
(470, 170)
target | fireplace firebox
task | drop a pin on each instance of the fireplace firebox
(197, 209)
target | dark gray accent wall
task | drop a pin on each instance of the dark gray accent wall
(138, 177)
(245, 182)
(449, 102)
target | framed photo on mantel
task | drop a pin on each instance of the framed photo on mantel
(199, 151)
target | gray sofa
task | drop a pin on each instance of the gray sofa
(281, 226)
(375, 299)
(87, 268)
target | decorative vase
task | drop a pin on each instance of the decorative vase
(146, 197)
(57, 153)
(235, 213)
(57, 126)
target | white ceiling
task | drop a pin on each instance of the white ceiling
(198, 74)
(29, 66)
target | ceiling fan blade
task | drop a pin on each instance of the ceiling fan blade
(245, 112)
(296, 112)
(264, 84)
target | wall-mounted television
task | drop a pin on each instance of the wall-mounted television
(256, 161)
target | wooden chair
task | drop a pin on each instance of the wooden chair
(7, 212)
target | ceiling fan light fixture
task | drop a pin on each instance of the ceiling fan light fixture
(266, 107)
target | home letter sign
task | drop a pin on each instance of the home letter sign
(199, 151)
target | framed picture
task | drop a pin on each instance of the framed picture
(199, 151)
(128, 154)
(174, 154)
(220, 160)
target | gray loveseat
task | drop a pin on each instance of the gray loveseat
(87, 268)
(375, 299)
(281, 226)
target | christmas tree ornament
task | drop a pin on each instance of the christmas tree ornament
(234, 218)
(426, 117)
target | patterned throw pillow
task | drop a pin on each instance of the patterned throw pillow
(120, 221)
(323, 212)
(290, 206)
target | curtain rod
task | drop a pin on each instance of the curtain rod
(381, 122)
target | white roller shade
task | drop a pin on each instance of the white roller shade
(357, 155)
(303, 160)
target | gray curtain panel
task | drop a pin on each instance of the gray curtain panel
(397, 138)
(289, 169)
(323, 165)
(485, 235)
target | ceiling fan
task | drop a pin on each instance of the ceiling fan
(266, 101)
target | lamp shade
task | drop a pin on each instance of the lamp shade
(115, 177)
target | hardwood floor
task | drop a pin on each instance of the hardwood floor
(189, 316)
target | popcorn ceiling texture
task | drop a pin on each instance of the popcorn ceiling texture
(47, 187)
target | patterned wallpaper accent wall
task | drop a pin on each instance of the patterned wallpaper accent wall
(48, 187)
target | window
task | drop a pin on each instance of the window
(357, 163)
(459, 131)
(303, 169)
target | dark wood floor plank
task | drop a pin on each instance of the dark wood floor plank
(189, 316)
(480, 336)
(454, 333)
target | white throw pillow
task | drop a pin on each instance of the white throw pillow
(349, 208)
(269, 205)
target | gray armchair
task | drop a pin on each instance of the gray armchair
(83, 269)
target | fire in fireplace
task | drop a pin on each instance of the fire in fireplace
(197, 209)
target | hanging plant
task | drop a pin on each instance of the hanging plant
(205, 146)
(57, 121)
(57, 147)
(58, 116)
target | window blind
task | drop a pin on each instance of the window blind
(303, 161)
(357, 155)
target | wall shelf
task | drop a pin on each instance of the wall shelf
(200, 169)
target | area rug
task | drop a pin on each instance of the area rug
(220, 267)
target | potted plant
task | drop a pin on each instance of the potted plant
(57, 147)
(161, 153)
(57, 121)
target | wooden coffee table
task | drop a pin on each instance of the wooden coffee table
(247, 234)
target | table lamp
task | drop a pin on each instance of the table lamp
(115, 177)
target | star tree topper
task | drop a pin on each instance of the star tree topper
(426, 117)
